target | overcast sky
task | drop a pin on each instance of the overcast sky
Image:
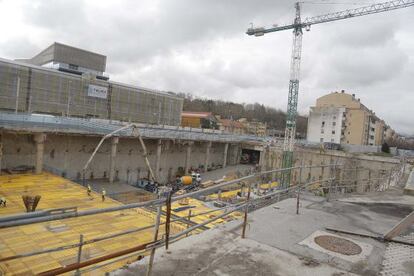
(200, 47)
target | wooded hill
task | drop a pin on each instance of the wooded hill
(275, 118)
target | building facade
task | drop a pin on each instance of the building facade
(254, 127)
(341, 118)
(231, 126)
(67, 81)
(325, 124)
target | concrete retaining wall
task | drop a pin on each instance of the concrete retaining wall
(368, 166)
(69, 154)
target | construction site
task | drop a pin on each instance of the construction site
(99, 178)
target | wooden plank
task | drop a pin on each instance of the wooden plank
(400, 227)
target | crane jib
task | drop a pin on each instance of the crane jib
(350, 13)
(297, 26)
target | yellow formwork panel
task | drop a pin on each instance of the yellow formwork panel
(57, 192)
(198, 207)
(233, 193)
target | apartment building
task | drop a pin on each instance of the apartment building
(231, 126)
(254, 127)
(341, 118)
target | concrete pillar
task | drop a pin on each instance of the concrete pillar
(226, 148)
(188, 157)
(262, 159)
(40, 148)
(158, 159)
(114, 143)
(207, 160)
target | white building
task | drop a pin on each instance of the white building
(325, 124)
(340, 118)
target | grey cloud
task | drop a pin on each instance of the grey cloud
(201, 47)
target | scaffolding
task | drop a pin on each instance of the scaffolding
(34, 89)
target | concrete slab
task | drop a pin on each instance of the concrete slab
(391, 196)
(112, 188)
(218, 252)
(273, 242)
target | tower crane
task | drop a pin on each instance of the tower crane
(298, 25)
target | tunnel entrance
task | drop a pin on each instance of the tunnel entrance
(249, 156)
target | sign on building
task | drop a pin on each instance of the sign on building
(97, 91)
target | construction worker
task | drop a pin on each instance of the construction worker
(89, 190)
(103, 194)
(3, 201)
(321, 148)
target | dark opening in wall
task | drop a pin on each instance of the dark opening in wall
(250, 156)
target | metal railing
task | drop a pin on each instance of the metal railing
(103, 127)
(248, 204)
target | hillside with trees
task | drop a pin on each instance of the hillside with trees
(274, 118)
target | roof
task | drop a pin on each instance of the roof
(231, 123)
(196, 114)
(59, 52)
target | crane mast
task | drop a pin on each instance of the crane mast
(297, 26)
(292, 106)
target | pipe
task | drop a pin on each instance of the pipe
(135, 230)
(167, 220)
(245, 214)
(156, 229)
(80, 213)
(74, 266)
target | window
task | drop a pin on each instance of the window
(323, 123)
(372, 129)
(334, 123)
(334, 117)
(349, 132)
(73, 67)
(371, 137)
(332, 140)
(322, 131)
(333, 131)
(321, 140)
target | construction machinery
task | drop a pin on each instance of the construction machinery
(187, 183)
(298, 25)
